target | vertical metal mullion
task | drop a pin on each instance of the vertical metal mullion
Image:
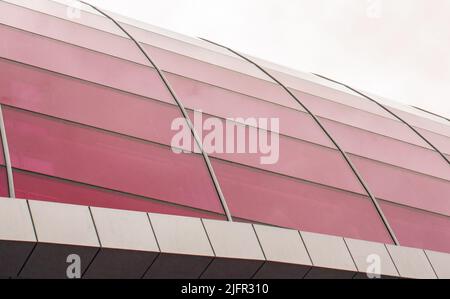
(319, 123)
(180, 106)
(12, 192)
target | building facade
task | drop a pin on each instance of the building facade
(328, 182)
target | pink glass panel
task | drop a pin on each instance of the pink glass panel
(221, 77)
(388, 150)
(48, 146)
(70, 32)
(441, 142)
(2, 156)
(277, 200)
(4, 192)
(300, 87)
(423, 122)
(405, 187)
(60, 10)
(419, 229)
(40, 187)
(227, 104)
(81, 63)
(56, 95)
(359, 118)
(296, 158)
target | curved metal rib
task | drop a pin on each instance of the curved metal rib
(180, 106)
(344, 154)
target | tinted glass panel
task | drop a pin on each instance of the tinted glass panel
(419, 229)
(63, 30)
(292, 157)
(388, 150)
(405, 187)
(81, 63)
(359, 118)
(2, 155)
(40, 187)
(441, 142)
(3, 183)
(227, 104)
(277, 200)
(63, 97)
(48, 146)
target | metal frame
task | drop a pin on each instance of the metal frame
(390, 112)
(180, 106)
(12, 192)
(315, 118)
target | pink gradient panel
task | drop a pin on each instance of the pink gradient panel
(300, 86)
(81, 63)
(218, 76)
(359, 118)
(388, 150)
(405, 187)
(295, 158)
(419, 229)
(441, 142)
(86, 155)
(56, 95)
(2, 155)
(273, 199)
(70, 32)
(227, 104)
(40, 187)
(4, 192)
(424, 123)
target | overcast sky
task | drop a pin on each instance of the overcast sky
(399, 49)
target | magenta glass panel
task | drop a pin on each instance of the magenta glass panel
(81, 63)
(56, 95)
(405, 187)
(4, 192)
(388, 150)
(221, 77)
(60, 10)
(70, 32)
(297, 85)
(359, 118)
(292, 157)
(227, 104)
(268, 198)
(441, 142)
(423, 122)
(40, 187)
(52, 147)
(419, 229)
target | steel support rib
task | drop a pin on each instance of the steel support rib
(180, 106)
(316, 119)
(391, 113)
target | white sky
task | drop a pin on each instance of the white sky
(399, 49)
